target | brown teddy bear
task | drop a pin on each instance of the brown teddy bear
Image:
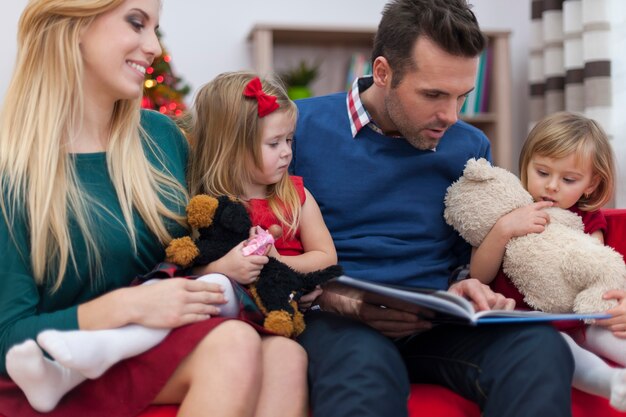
(221, 224)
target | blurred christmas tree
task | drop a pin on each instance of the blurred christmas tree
(163, 91)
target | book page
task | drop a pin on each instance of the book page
(412, 300)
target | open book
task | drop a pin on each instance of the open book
(446, 306)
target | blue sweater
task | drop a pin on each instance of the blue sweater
(381, 198)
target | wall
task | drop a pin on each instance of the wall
(206, 38)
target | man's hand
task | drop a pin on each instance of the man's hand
(307, 300)
(481, 296)
(390, 322)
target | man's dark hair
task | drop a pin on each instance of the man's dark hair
(450, 24)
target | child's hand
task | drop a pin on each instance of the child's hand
(271, 251)
(243, 269)
(524, 220)
(617, 323)
(258, 243)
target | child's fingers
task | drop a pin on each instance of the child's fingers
(620, 334)
(614, 294)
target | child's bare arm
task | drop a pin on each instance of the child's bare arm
(319, 249)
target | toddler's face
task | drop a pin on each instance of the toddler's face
(563, 181)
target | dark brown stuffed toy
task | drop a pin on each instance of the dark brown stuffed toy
(222, 223)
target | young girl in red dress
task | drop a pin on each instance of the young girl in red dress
(241, 143)
(567, 162)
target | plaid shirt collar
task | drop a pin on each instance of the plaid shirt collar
(359, 117)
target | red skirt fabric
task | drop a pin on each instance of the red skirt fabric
(125, 389)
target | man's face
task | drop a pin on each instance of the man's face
(428, 99)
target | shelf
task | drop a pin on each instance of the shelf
(480, 118)
(320, 35)
(279, 47)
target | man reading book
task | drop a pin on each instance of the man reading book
(379, 160)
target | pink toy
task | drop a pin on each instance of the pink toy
(259, 243)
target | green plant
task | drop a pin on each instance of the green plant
(301, 75)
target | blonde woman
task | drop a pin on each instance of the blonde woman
(92, 190)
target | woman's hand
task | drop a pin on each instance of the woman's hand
(617, 323)
(166, 303)
(175, 302)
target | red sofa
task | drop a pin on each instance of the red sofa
(436, 401)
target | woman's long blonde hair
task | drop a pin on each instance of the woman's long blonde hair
(43, 106)
(225, 136)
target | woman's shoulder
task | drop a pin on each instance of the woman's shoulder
(161, 128)
(164, 134)
(165, 145)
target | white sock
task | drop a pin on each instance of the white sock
(93, 352)
(618, 389)
(595, 376)
(231, 308)
(43, 381)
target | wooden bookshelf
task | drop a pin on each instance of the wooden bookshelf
(276, 48)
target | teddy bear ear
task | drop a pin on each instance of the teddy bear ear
(478, 170)
(181, 251)
(200, 210)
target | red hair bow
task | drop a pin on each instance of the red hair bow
(267, 103)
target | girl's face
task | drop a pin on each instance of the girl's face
(276, 139)
(563, 181)
(117, 47)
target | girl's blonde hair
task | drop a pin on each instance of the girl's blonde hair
(563, 133)
(225, 137)
(43, 107)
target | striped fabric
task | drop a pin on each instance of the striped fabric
(553, 69)
(573, 56)
(535, 71)
(570, 58)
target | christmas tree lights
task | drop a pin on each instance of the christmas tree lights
(164, 91)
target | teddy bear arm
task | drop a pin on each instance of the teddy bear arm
(590, 300)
